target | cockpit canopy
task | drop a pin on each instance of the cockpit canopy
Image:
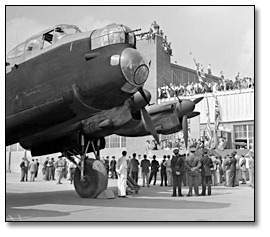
(112, 34)
(43, 40)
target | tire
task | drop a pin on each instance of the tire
(96, 179)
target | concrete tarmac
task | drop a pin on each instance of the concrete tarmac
(47, 201)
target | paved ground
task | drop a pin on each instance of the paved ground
(46, 201)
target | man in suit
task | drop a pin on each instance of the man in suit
(232, 165)
(163, 174)
(23, 169)
(177, 165)
(154, 170)
(37, 168)
(134, 168)
(145, 164)
(206, 173)
(113, 166)
(193, 164)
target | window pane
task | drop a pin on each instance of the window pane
(236, 135)
(107, 140)
(123, 142)
(20, 50)
(114, 141)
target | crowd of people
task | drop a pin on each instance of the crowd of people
(207, 169)
(172, 90)
(178, 142)
(51, 170)
(176, 170)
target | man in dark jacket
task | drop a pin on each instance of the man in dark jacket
(134, 168)
(207, 164)
(232, 165)
(154, 170)
(145, 164)
(23, 169)
(113, 167)
(177, 165)
(163, 174)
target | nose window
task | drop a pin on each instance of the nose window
(112, 34)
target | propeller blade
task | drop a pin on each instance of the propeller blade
(197, 100)
(193, 114)
(144, 96)
(148, 124)
(185, 129)
(171, 88)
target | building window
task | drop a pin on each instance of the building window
(244, 136)
(7, 148)
(107, 142)
(123, 142)
(114, 141)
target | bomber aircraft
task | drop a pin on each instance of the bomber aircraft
(66, 90)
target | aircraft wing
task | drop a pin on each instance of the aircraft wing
(127, 120)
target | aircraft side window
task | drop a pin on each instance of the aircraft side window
(59, 33)
(47, 39)
(16, 52)
(33, 45)
(131, 38)
(12, 53)
(20, 50)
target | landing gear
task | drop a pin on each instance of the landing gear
(90, 177)
(94, 181)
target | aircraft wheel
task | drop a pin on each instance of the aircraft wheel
(95, 179)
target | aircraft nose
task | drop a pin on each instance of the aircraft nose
(134, 67)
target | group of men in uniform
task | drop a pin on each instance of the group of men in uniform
(192, 165)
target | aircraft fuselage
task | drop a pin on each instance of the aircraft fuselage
(69, 82)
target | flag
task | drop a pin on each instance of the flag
(217, 122)
(208, 126)
(200, 74)
(217, 114)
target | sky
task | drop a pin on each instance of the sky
(222, 36)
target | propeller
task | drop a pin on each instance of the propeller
(185, 107)
(146, 119)
(185, 129)
(197, 100)
(171, 89)
(193, 114)
(148, 124)
(144, 96)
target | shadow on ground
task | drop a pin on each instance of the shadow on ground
(152, 198)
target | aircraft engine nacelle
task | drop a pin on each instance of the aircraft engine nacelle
(110, 121)
(65, 142)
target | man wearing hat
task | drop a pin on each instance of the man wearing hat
(207, 164)
(177, 165)
(193, 164)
